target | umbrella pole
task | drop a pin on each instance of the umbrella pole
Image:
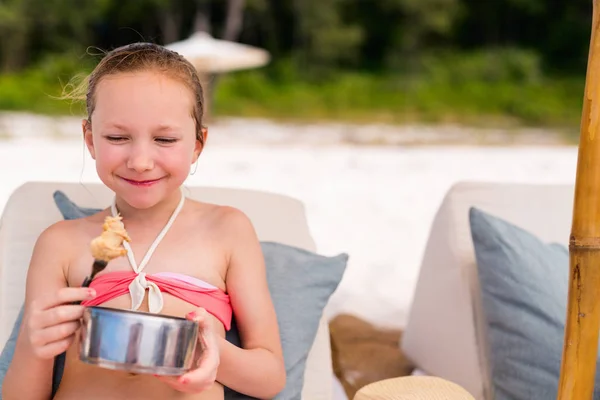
(580, 347)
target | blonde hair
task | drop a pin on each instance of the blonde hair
(141, 57)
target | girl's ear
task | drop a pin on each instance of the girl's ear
(200, 144)
(86, 126)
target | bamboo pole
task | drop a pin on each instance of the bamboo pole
(580, 348)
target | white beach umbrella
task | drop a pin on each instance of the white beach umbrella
(210, 55)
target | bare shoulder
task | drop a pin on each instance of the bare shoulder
(229, 224)
(50, 258)
(55, 249)
(222, 217)
(57, 234)
(234, 221)
(65, 234)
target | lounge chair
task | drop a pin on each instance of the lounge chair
(31, 208)
(446, 334)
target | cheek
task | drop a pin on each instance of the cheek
(177, 159)
(109, 156)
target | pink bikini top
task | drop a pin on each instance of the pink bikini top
(187, 288)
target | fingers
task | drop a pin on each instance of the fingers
(202, 377)
(40, 338)
(205, 375)
(199, 315)
(207, 339)
(205, 328)
(53, 349)
(64, 296)
(195, 381)
(51, 341)
(53, 321)
(178, 384)
(56, 316)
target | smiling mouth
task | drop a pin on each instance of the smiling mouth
(141, 183)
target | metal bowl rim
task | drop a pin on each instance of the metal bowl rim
(138, 314)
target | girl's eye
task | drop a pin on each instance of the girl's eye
(116, 138)
(165, 140)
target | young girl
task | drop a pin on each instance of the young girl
(144, 131)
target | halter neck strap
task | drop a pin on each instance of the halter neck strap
(138, 268)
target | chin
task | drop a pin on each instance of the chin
(145, 199)
(140, 198)
(139, 201)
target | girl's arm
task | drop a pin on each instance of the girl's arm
(45, 331)
(257, 369)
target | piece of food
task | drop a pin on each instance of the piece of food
(109, 245)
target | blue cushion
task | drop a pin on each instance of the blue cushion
(9, 349)
(524, 287)
(300, 283)
(70, 210)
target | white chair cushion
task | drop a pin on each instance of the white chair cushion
(31, 209)
(445, 333)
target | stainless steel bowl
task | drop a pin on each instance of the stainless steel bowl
(137, 342)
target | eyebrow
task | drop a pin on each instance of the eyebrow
(163, 127)
(117, 126)
(160, 128)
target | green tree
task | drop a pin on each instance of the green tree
(29, 29)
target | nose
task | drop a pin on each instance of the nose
(140, 158)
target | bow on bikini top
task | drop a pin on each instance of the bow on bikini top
(187, 288)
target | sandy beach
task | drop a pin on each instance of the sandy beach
(373, 201)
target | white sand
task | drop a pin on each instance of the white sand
(376, 203)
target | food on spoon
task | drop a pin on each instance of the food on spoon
(109, 245)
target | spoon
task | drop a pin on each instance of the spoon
(97, 267)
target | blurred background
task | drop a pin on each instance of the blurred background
(500, 62)
(366, 110)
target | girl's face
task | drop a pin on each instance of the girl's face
(142, 136)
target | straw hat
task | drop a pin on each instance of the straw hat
(413, 388)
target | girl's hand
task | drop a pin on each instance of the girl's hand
(203, 377)
(52, 322)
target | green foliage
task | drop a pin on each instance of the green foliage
(37, 89)
(30, 29)
(486, 65)
(514, 61)
(504, 86)
(472, 88)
